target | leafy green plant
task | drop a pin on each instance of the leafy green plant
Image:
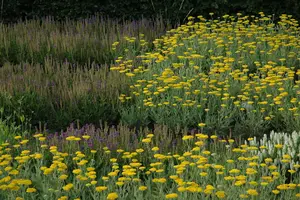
(9, 128)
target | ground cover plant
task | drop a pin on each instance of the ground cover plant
(238, 73)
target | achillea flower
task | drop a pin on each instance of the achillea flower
(76, 171)
(278, 146)
(86, 137)
(142, 188)
(171, 196)
(146, 140)
(30, 190)
(187, 137)
(220, 194)
(201, 125)
(252, 192)
(101, 188)
(63, 177)
(275, 191)
(112, 196)
(68, 187)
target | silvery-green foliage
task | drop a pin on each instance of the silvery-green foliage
(290, 142)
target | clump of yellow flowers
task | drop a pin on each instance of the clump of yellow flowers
(204, 166)
(217, 71)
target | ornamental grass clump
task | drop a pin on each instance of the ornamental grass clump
(82, 41)
(57, 93)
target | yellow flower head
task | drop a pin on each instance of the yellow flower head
(112, 196)
(101, 188)
(220, 194)
(68, 187)
(30, 190)
(142, 188)
(171, 196)
(252, 192)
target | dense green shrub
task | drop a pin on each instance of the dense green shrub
(173, 10)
